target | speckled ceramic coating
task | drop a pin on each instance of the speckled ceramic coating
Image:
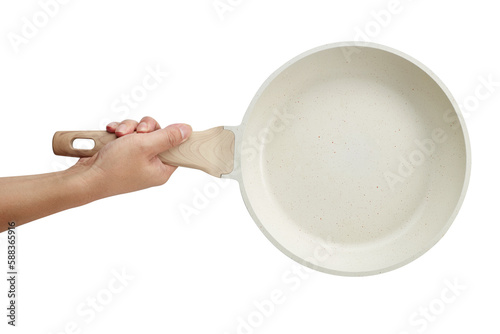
(353, 159)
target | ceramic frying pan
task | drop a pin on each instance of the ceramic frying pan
(352, 158)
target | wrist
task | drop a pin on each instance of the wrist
(87, 183)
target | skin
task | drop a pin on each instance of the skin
(127, 164)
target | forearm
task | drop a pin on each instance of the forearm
(27, 198)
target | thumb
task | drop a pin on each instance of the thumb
(171, 136)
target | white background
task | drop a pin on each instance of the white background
(204, 274)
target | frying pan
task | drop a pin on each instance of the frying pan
(352, 158)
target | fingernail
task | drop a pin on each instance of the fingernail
(121, 128)
(112, 125)
(185, 131)
(142, 127)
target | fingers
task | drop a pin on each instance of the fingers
(148, 124)
(158, 140)
(171, 136)
(126, 127)
(111, 127)
(123, 128)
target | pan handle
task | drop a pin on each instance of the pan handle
(211, 151)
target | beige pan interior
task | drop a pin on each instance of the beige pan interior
(353, 160)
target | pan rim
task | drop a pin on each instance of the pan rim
(239, 131)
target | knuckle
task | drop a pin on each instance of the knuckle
(129, 122)
(147, 119)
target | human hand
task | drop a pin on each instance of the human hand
(130, 162)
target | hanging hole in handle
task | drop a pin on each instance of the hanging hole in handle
(83, 144)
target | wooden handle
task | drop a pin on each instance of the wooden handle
(62, 143)
(211, 151)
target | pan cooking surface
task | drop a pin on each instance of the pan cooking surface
(360, 160)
